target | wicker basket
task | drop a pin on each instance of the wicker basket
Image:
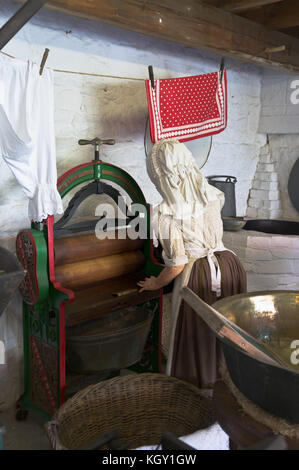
(141, 407)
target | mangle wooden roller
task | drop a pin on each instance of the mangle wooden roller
(85, 260)
(73, 277)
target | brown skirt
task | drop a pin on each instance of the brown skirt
(197, 351)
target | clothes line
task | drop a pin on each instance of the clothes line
(86, 73)
(268, 51)
(100, 75)
(96, 74)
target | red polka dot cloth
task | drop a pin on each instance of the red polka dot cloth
(187, 108)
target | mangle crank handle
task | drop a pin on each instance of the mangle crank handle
(96, 142)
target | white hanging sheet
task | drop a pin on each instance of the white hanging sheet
(27, 134)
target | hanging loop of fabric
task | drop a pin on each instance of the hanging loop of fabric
(215, 272)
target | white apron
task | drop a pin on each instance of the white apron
(181, 281)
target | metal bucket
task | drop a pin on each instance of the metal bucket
(113, 342)
(226, 184)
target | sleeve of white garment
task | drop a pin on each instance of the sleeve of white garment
(171, 239)
(27, 134)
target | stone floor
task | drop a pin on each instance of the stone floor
(23, 435)
(30, 435)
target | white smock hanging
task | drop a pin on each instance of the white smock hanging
(27, 134)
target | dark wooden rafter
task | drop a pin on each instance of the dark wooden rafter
(291, 31)
(281, 15)
(191, 23)
(19, 19)
(239, 6)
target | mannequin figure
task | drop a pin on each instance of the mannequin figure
(189, 227)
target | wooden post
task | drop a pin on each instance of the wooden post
(20, 18)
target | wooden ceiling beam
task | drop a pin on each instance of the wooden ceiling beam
(292, 31)
(279, 16)
(239, 6)
(192, 24)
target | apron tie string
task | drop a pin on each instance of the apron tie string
(215, 272)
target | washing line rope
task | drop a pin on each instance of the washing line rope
(268, 51)
(86, 73)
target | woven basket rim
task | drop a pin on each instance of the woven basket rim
(129, 378)
(142, 406)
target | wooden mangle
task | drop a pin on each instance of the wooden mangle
(73, 277)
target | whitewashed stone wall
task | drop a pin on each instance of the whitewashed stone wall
(264, 197)
(279, 103)
(285, 152)
(87, 106)
(279, 118)
(271, 261)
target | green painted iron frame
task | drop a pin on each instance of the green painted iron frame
(44, 315)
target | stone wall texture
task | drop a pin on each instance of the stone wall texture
(271, 261)
(279, 103)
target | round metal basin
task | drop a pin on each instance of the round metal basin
(114, 341)
(271, 317)
(277, 227)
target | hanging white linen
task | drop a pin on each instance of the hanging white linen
(27, 134)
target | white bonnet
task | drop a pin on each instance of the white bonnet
(173, 170)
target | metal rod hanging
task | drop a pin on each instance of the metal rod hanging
(18, 20)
